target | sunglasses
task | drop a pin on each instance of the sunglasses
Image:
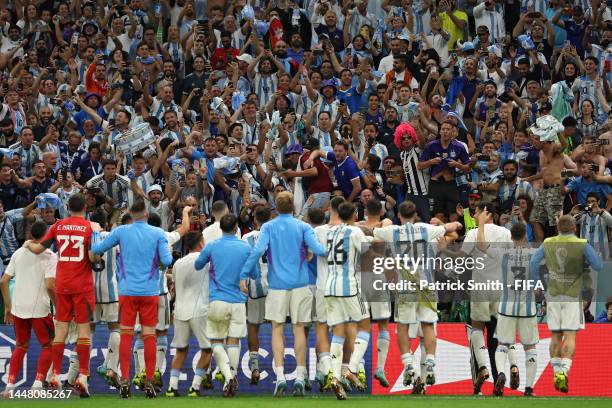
(251, 150)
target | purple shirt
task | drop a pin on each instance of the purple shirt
(455, 151)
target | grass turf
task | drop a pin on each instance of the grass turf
(242, 401)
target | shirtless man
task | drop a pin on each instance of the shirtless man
(607, 148)
(588, 152)
(549, 202)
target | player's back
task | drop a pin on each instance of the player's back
(287, 249)
(141, 246)
(105, 281)
(258, 287)
(497, 237)
(191, 288)
(518, 297)
(321, 261)
(344, 247)
(400, 235)
(73, 238)
(30, 298)
(226, 256)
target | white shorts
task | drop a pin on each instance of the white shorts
(380, 310)
(226, 320)
(295, 303)
(416, 330)
(106, 312)
(508, 326)
(320, 306)
(481, 311)
(183, 329)
(414, 312)
(564, 314)
(344, 310)
(163, 313)
(256, 310)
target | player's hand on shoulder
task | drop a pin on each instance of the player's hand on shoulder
(95, 227)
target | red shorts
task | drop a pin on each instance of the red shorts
(144, 306)
(43, 327)
(81, 305)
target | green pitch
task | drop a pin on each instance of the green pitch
(243, 401)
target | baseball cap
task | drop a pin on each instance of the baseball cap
(245, 58)
(467, 46)
(482, 29)
(475, 193)
(311, 143)
(154, 187)
(494, 49)
(294, 149)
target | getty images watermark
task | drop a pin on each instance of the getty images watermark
(411, 273)
(469, 271)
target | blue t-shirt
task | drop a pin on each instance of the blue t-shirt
(351, 98)
(455, 151)
(582, 187)
(81, 116)
(345, 173)
(575, 32)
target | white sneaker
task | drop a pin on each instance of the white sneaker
(81, 385)
(7, 391)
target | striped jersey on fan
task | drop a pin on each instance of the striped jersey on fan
(416, 180)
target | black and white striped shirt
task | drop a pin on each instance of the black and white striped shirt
(416, 180)
(117, 190)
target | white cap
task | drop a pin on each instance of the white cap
(155, 187)
(245, 58)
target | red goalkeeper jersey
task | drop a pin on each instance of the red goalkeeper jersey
(73, 239)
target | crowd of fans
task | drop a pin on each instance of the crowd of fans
(378, 101)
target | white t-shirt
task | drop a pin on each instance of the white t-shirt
(213, 233)
(191, 287)
(30, 299)
(495, 235)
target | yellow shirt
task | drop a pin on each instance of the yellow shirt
(455, 32)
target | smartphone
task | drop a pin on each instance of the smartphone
(567, 173)
(516, 204)
(111, 122)
(595, 168)
(533, 15)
